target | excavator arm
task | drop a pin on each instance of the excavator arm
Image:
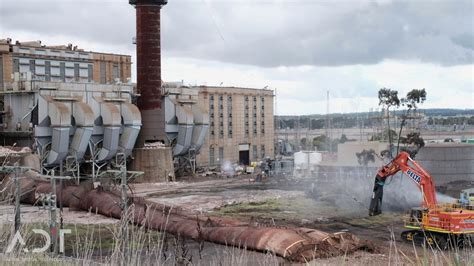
(410, 168)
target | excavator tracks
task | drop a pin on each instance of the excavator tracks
(438, 240)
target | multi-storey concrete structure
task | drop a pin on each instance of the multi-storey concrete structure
(63, 63)
(241, 127)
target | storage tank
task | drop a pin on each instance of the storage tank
(315, 159)
(301, 160)
(306, 163)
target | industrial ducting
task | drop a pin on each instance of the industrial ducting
(84, 122)
(132, 122)
(73, 124)
(186, 125)
(54, 128)
(111, 124)
(201, 126)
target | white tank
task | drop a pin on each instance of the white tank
(301, 160)
(315, 158)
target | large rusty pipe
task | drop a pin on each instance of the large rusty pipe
(296, 244)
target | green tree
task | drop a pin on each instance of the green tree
(365, 156)
(388, 98)
(320, 142)
(411, 101)
(430, 121)
(383, 136)
(343, 138)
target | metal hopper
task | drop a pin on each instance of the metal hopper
(84, 122)
(201, 126)
(52, 133)
(132, 122)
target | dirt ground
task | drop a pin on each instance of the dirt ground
(270, 203)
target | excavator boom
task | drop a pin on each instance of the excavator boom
(410, 168)
(444, 225)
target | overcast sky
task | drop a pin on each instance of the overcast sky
(300, 48)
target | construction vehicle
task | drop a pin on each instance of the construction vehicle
(443, 225)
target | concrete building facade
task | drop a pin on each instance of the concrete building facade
(62, 63)
(448, 162)
(241, 125)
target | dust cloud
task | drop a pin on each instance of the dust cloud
(227, 168)
(350, 191)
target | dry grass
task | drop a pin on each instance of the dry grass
(102, 245)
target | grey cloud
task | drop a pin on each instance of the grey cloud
(105, 22)
(465, 40)
(268, 33)
(318, 33)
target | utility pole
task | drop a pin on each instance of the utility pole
(123, 176)
(123, 185)
(328, 124)
(49, 202)
(53, 225)
(17, 198)
(16, 170)
(61, 173)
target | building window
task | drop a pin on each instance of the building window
(76, 72)
(262, 151)
(16, 65)
(1, 73)
(116, 72)
(211, 156)
(62, 71)
(102, 72)
(211, 115)
(221, 155)
(32, 66)
(254, 116)
(246, 116)
(47, 70)
(229, 116)
(90, 72)
(255, 153)
(220, 110)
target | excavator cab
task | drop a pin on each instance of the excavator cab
(415, 217)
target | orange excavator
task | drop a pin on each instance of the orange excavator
(445, 225)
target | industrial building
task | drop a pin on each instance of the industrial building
(61, 63)
(75, 108)
(241, 126)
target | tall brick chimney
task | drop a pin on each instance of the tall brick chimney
(149, 69)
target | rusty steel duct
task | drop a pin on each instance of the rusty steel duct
(294, 244)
